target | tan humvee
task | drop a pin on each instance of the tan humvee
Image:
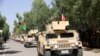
(17, 38)
(58, 41)
(21, 37)
(30, 39)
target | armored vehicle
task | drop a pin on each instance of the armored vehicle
(22, 38)
(57, 41)
(30, 39)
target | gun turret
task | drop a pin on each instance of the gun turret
(31, 32)
(57, 26)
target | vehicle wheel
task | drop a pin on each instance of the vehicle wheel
(74, 52)
(47, 53)
(80, 52)
(26, 46)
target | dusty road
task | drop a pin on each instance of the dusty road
(16, 49)
(91, 52)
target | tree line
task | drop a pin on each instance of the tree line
(80, 13)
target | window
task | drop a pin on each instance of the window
(30, 36)
(66, 35)
(48, 36)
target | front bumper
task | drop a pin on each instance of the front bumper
(31, 43)
(65, 52)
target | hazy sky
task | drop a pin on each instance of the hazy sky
(9, 8)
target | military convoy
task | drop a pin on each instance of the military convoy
(18, 38)
(58, 40)
(28, 40)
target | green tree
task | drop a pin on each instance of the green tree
(6, 31)
(5, 27)
(80, 12)
(29, 20)
(17, 24)
(41, 14)
(38, 16)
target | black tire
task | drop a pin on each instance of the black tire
(47, 53)
(80, 52)
(74, 52)
(26, 46)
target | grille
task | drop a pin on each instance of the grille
(64, 45)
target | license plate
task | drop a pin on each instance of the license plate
(35, 43)
(64, 51)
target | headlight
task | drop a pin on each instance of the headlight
(73, 44)
(76, 43)
(55, 46)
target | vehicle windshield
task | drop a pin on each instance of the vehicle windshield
(67, 35)
(30, 36)
(48, 36)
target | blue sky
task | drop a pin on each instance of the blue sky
(9, 8)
